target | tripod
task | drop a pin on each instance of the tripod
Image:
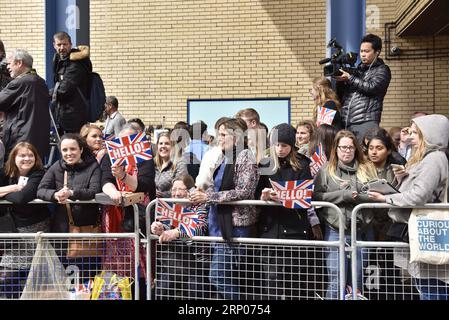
(53, 145)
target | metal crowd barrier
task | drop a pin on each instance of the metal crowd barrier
(182, 267)
(384, 263)
(101, 254)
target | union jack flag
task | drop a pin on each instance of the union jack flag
(175, 215)
(296, 194)
(108, 137)
(325, 116)
(317, 160)
(129, 150)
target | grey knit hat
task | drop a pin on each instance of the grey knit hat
(285, 134)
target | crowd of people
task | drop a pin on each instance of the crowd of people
(238, 164)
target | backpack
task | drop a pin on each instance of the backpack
(97, 98)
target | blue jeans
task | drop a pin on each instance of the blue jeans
(226, 264)
(432, 289)
(332, 263)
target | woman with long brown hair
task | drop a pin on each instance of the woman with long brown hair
(22, 175)
(324, 96)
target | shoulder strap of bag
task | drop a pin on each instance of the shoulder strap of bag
(67, 205)
(445, 189)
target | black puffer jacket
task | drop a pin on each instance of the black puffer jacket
(364, 93)
(281, 222)
(73, 76)
(25, 215)
(84, 179)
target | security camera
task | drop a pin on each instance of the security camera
(395, 51)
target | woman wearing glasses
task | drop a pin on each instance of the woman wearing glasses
(340, 182)
(175, 279)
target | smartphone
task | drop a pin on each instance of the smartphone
(397, 166)
(22, 181)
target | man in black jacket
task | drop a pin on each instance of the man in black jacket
(365, 89)
(25, 103)
(72, 68)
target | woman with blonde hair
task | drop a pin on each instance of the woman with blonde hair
(94, 139)
(423, 180)
(324, 96)
(340, 182)
(167, 168)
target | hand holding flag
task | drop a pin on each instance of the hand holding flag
(296, 194)
(325, 116)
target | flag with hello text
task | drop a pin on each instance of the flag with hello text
(325, 116)
(177, 216)
(296, 194)
(108, 137)
(317, 160)
(129, 150)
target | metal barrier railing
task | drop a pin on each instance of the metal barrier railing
(16, 241)
(293, 244)
(392, 248)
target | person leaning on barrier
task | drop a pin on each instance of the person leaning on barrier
(94, 139)
(117, 179)
(281, 276)
(423, 180)
(181, 272)
(19, 182)
(235, 179)
(340, 182)
(380, 151)
(83, 182)
(25, 102)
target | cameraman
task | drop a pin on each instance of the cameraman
(365, 89)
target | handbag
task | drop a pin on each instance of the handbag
(429, 235)
(82, 247)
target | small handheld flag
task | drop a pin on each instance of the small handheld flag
(129, 150)
(325, 116)
(172, 214)
(296, 194)
(317, 160)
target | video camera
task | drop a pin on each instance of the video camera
(339, 60)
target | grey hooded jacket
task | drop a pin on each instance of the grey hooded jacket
(426, 180)
(339, 192)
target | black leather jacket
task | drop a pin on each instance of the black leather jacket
(364, 93)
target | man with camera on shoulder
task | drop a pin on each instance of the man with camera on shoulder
(364, 90)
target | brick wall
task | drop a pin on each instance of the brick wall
(417, 84)
(22, 26)
(154, 55)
